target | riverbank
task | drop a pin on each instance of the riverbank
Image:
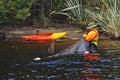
(73, 33)
(17, 33)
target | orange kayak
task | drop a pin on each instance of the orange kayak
(49, 36)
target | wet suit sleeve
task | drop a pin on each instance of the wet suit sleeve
(90, 36)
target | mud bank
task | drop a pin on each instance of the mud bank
(73, 34)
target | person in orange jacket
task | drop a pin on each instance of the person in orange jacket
(92, 38)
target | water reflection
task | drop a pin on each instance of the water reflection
(16, 65)
(73, 67)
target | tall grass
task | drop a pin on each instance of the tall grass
(74, 10)
(108, 17)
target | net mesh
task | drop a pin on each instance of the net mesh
(77, 48)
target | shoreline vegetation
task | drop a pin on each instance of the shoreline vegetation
(75, 13)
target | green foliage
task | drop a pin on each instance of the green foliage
(108, 17)
(40, 12)
(92, 4)
(46, 9)
(13, 10)
(57, 5)
(75, 11)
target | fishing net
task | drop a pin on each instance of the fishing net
(77, 48)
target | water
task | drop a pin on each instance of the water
(16, 59)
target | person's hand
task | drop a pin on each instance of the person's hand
(84, 35)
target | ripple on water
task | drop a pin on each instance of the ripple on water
(68, 68)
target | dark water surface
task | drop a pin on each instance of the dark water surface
(16, 63)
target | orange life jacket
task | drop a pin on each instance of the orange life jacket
(92, 36)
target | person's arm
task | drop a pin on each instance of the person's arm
(90, 36)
